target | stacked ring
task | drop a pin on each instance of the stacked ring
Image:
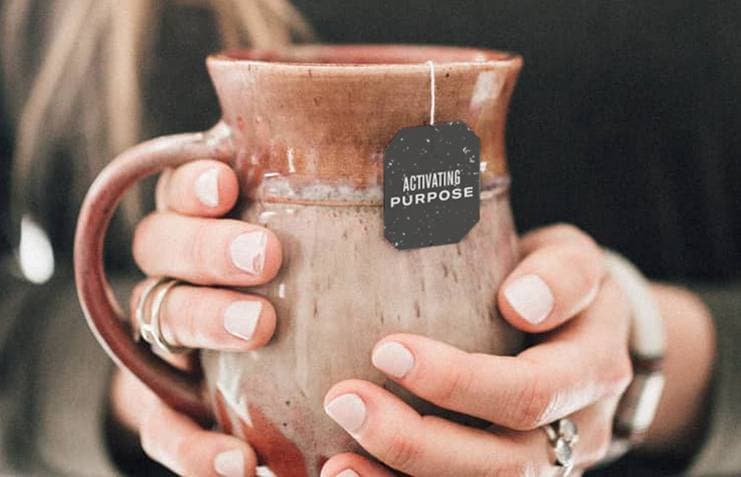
(151, 331)
(563, 435)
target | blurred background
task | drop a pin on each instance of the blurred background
(626, 121)
(621, 106)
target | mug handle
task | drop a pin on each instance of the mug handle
(180, 390)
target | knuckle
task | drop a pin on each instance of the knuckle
(199, 253)
(401, 451)
(185, 449)
(566, 229)
(620, 305)
(456, 381)
(573, 233)
(179, 316)
(191, 331)
(620, 374)
(531, 406)
(142, 232)
(582, 261)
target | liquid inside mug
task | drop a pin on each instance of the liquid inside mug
(305, 129)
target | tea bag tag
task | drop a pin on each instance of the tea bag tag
(431, 183)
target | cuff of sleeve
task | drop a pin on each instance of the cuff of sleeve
(720, 451)
(72, 394)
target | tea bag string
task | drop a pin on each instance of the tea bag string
(432, 91)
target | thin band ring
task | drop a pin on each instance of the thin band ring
(155, 322)
(151, 331)
(144, 328)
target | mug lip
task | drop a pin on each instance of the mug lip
(257, 57)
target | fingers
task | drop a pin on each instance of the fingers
(424, 445)
(430, 446)
(558, 278)
(206, 251)
(179, 444)
(594, 428)
(212, 318)
(545, 382)
(128, 397)
(204, 188)
(352, 465)
(595, 431)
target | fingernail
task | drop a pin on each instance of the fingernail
(347, 410)
(348, 473)
(531, 298)
(230, 463)
(393, 358)
(248, 251)
(240, 318)
(207, 187)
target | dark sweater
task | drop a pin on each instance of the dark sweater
(626, 122)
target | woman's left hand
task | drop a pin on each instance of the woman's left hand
(578, 369)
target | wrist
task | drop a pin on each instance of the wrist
(687, 368)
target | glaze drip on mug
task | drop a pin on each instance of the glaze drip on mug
(305, 128)
(309, 131)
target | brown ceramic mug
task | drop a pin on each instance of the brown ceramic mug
(305, 128)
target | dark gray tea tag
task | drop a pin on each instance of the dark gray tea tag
(431, 185)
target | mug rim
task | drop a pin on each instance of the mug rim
(275, 57)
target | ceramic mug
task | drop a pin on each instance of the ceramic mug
(305, 128)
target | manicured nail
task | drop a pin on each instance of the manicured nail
(240, 318)
(531, 298)
(207, 187)
(248, 251)
(393, 358)
(348, 473)
(347, 410)
(230, 463)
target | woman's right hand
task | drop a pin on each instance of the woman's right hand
(186, 239)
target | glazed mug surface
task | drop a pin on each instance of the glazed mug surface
(305, 128)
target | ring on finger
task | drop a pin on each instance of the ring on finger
(151, 331)
(563, 435)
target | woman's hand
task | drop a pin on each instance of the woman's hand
(185, 239)
(578, 369)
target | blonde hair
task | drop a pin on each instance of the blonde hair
(102, 99)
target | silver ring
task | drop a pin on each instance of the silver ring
(563, 435)
(143, 328)
(151, 331)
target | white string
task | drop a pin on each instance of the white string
(432, 92)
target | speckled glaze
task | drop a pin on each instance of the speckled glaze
(314, 125)
(305, 129)
(311, 138)
(341, 289)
